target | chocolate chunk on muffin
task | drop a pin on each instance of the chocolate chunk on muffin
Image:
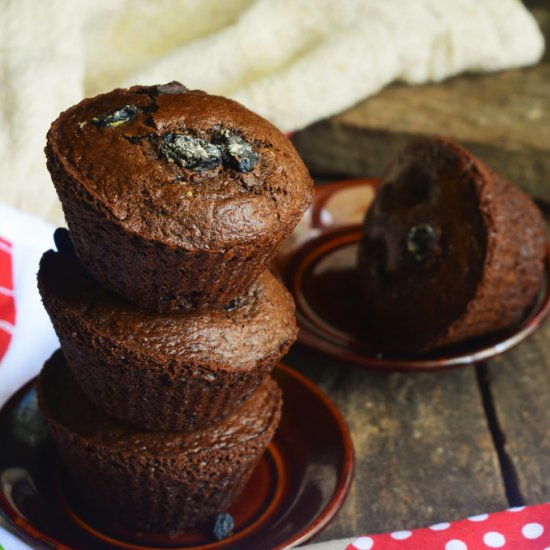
(450, 250)
(175, 199)
(179, 371)
(158, 481)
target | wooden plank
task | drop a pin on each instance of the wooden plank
(503, 118)
(424, 452)
(519, 383)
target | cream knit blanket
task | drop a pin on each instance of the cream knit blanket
(293, 61)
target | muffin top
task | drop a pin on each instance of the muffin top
(235, 336)
(180, 166)
(63, 402)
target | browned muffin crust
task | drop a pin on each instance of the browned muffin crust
(155, 481)
(450, 250)
(159, 220)
(181, 371)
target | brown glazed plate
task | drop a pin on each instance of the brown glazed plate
(318, 267)
(297, 488)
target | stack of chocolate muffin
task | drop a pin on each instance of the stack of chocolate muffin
(160, 402)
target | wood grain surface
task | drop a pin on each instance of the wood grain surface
(520, 388)
(424, 450)
(504, 118)
(434, 447)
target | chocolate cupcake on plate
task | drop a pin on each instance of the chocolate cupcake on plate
(179, 371)
(159, 481)
(175, 199)
(451, 250)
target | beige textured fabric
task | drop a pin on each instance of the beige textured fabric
(293, 61)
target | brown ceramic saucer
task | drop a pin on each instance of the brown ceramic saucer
(318, 267)
(298, 487)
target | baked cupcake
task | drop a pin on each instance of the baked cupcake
(450, 250)
(175, 199)
(179, 371)
(158, 481)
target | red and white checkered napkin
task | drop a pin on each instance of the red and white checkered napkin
(520, 528)
(27, 338)
(26, 334)
(7, 301)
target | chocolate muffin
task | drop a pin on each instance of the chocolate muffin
(450, 250)
(157, 481)
(179, 371)
(175, 199)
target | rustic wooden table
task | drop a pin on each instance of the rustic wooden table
(440, 446)
(433, 447)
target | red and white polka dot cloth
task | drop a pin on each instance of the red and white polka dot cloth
(521, 528)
